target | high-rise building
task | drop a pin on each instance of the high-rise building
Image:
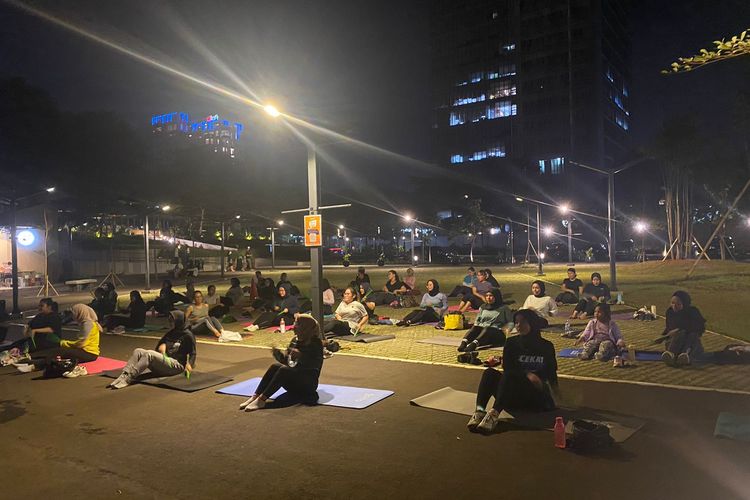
(530, 84)
(221, 136)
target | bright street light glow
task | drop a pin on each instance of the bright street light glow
(541, 255)
(519, 199)
(280, 222)
(341, 226)
(416, 258)
(25, 238)
(271, 110)
(641, 227)
(564, 208)
(548, 231)
(165, 208)
(408, 218)
(51, 189)
(236, 216)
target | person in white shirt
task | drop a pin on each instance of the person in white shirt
(328, 296)
(539, 301)
(351, 317)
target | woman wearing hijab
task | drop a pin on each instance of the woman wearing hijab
(174, 354)
(528, 379)
(491, 278)
(285, 306)
(487, 329)
(329, 297)
(593, 294)
(365, 291)
(683, 330)
(539, 301)
(432, 308)
(135, 318)
(85, 348)
(297, 369)
(351, 316)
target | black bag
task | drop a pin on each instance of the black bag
(589, 436)
(56, 367)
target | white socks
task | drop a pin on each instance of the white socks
(25, 367)
(257, 404)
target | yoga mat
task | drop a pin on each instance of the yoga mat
(639, 355)
(733, 426)
(197, 382)
(103, 364)
(450, 341)
(329, 395)
(455, 309)
(367, 338)
(148, 328)
(464, 403)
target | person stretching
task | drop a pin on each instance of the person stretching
(174, 354)
(351, 316)
(539, 301)
(593, 294)
(297, 369)
(683, 330)
(432, 308)
(602, 337)
(488, 327)
(529, 375)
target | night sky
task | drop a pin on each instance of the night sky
(360, 68)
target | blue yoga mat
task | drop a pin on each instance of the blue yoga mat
(733, 426)
(639, 355)
(329, 395)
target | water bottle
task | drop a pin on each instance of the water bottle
(567, 328)
(282, 326)
(559, 433)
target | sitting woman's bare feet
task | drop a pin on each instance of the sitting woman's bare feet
(574, 315)
(582, 316)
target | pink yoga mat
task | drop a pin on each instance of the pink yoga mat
(455, 309)
(103, 364)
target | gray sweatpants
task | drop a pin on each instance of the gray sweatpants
(155, 361)
(201, 327)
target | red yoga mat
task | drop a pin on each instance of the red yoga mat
(455, 309)
(103, 364)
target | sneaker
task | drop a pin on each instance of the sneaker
(78, 371)
(489, 422)
(252, 328)
(118, 330)
(24, 367)
(327, 354)
(668, 358)
(683, 359)
(5, 358)
(475, 420)
(599, 356)
(584, 355)
(462, 346)
(121, 382)
(617, 362)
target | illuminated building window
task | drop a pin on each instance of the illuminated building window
(476, 77)
(502, 72)
(542, 167)
(501, 109)
(509, 47)
(496, 151)
(468, 99)
(503, 88)
(557, 165)
(457, 118)
(457, 159)
(621, 121)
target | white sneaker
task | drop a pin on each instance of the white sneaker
(121, 382)
(683, 359)
(489, 422)
(252, 328)
(24, 367)
(475, 420)
(118, 330)
(78, 371)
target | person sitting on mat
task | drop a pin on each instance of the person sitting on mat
(529, 376)
(99, 304)
(284, 280)
(44, 331)
(602, 337)
(234, 293)
(469, 280)
(166, 300)
(198, 319)
(571, 287)
(266, 295)
(351, 317)
(83, 349)
(175, 353)
(393, 286)
(475, 297)
(216, 308)
(488, 327)
(491, 278)
(683, 330)
(362, 277)
(594, 293)
(365, 291)
(297, 369)
(411, 281)
(135, 318)
(329, 298)
(539, 301)
(110, 298)
(432, 308)
(285, 306)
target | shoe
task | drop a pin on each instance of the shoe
(24, 367)
(256, 404)
(489, 422)
(5, 358)
(584, 355)
(78, 371)
(327, 354)
(475, 420)
(118, 330)
(252, 328)
(121, 382)
(462, 346)
(599, 356)
(668, 358)
(247, 402)
(618, 362)
(400, 323)
(470, 357)
(683, 359)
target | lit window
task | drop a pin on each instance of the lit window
(556, 165)
(624, 90)
(457, 159)
(609, 75)
(476, 77)
(457, 118)
(502, 89)
(509, 47)
(496, 152)
(501, 109)
(542, 167)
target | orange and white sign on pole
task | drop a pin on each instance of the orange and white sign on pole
(313, 230)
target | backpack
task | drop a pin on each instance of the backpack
(56, 367)
(733, 354)
(454, 321)
(589, 436)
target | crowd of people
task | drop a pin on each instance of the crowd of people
(528, 379)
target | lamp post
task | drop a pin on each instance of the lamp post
(564, 209)
(409, 218)
(641, 228)
(273, 242)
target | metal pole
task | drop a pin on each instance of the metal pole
(512, 246)
(412, 245)
(16, 312)
(273, 248)
(611, 229)
(316, 255)
(570, 241)
(148, 258)
(539, 240)
(222, 250)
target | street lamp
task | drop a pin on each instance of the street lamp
(564, 209)
(273, 242)
(641, 228)
(540, 272)
(409, 218)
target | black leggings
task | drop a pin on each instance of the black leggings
(418, 316)
(567, 298)
(336, 328)
(41, 358)
(476, 302)
(460, 291)
(41, 341)
(382, 298)
(270, 318)
(114, 320)
(511, 391)
(587, 306)
(485, 335)
(299, 384)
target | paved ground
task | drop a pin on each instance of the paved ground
(74, 438)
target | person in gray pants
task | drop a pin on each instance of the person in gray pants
(174, 354)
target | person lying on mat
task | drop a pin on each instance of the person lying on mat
(83, 349)
(351, 317)
(174, 354)
(297, 369)
(539, 301)
(198, 319)
(602, 337)
(432, 308)
(135, 317)
(593, 294)
(469, 280)
(572, 289)
(488, 327)
(44, 331)
(285, 306)
(475, 297)
(529, 376)
(683, 330)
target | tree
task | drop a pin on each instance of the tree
(735, 47)
(472, 222)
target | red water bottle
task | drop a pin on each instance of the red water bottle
(559, 433)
